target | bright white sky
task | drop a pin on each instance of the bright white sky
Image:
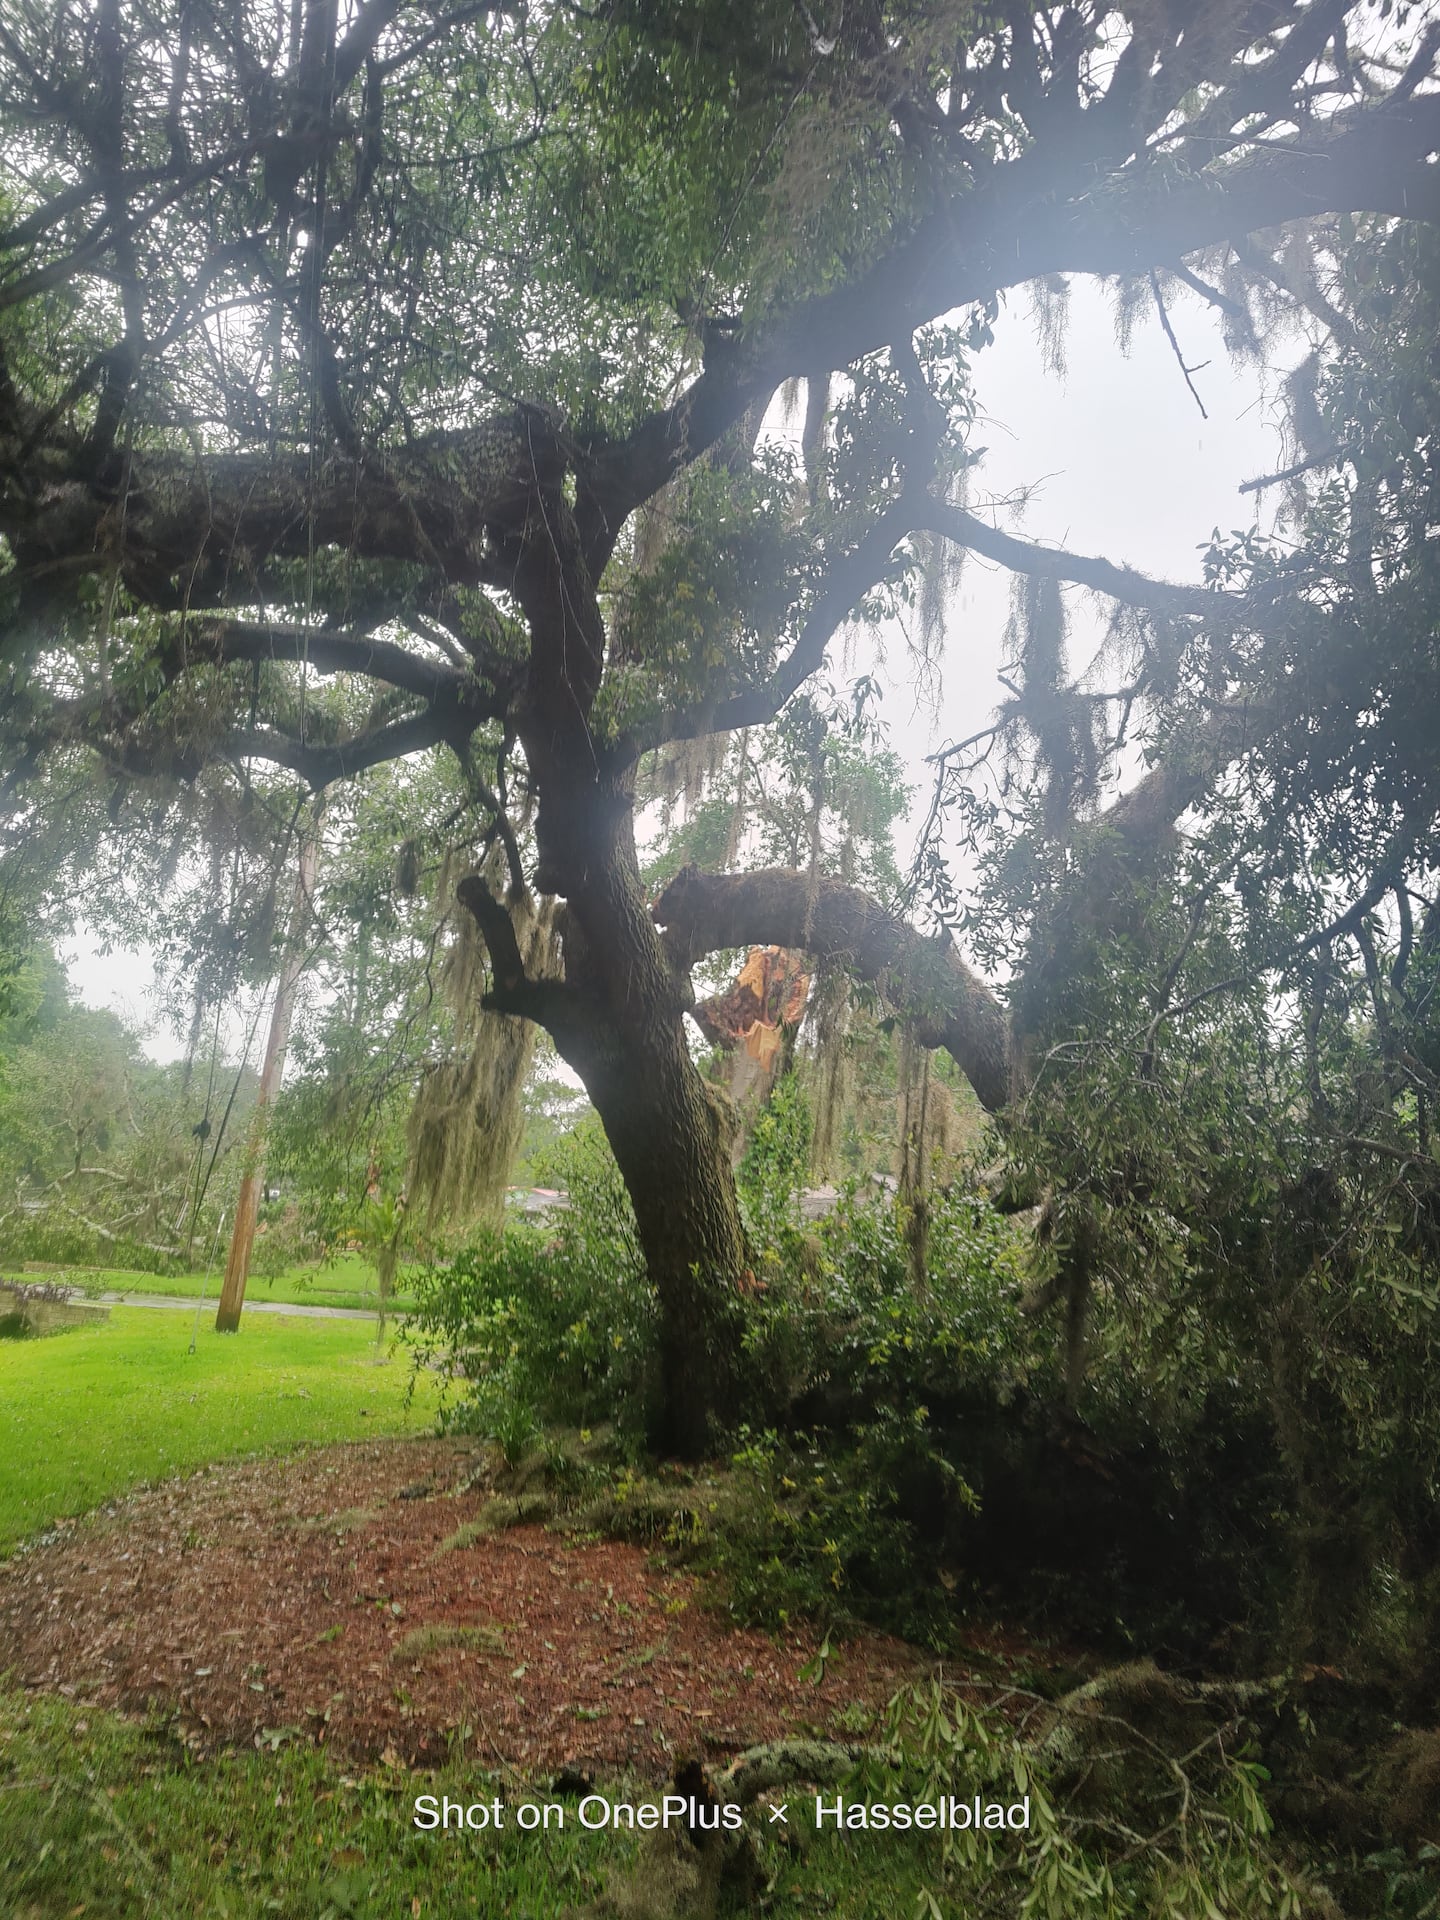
(1130, 471)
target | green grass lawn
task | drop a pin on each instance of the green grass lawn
(348, 1281)
(114, 1821)
(84, 1415)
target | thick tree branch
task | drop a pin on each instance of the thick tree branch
(1327, 456)
(456, 703)
(198, 531)
(847, 584)
(1264, 88)
(321, 764)
(328, 650)
(449, 501)
(338, 650)
(493, 919)
(1054, 563)
(869, 563)
(1037, 215)
(360, 42)
(926, 980)
(512, 990)
(1232, 309)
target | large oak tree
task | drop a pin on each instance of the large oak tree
(429, 346)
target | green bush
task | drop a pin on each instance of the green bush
(769, 1178)
(859, 1487)
(829, 1532)
(909, 1449)
(545, 1322)
(842, 1332)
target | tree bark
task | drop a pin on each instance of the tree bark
(617, 1016)
(670, 1142)
(247, 1204)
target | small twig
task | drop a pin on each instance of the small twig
(1175, 344)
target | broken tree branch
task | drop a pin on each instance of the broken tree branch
(924, 979)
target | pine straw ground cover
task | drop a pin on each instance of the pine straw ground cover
(324, 1599)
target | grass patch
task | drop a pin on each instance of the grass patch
(91, 1413)
(346, 1282)
(103, 1819)
(350, 1521)
(435, 1639)
(109, 1821)
(495, 1516)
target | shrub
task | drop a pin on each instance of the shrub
(859, 1487)
(843, 1332)
(769, 1178)
(553, 1322)
(828, 1532)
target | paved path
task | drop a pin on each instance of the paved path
(251, 1306)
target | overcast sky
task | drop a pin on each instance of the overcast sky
(1127, 469)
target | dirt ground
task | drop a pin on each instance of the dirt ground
(317, 1597)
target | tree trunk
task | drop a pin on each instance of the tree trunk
(671, 1144)
(618, 1019)
(247, 1204)
(670, 1139)
(618, 1014)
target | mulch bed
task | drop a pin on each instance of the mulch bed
(282, 1599)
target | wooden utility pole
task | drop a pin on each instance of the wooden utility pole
(247, 1204)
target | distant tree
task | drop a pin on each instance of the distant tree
(96, 1156)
